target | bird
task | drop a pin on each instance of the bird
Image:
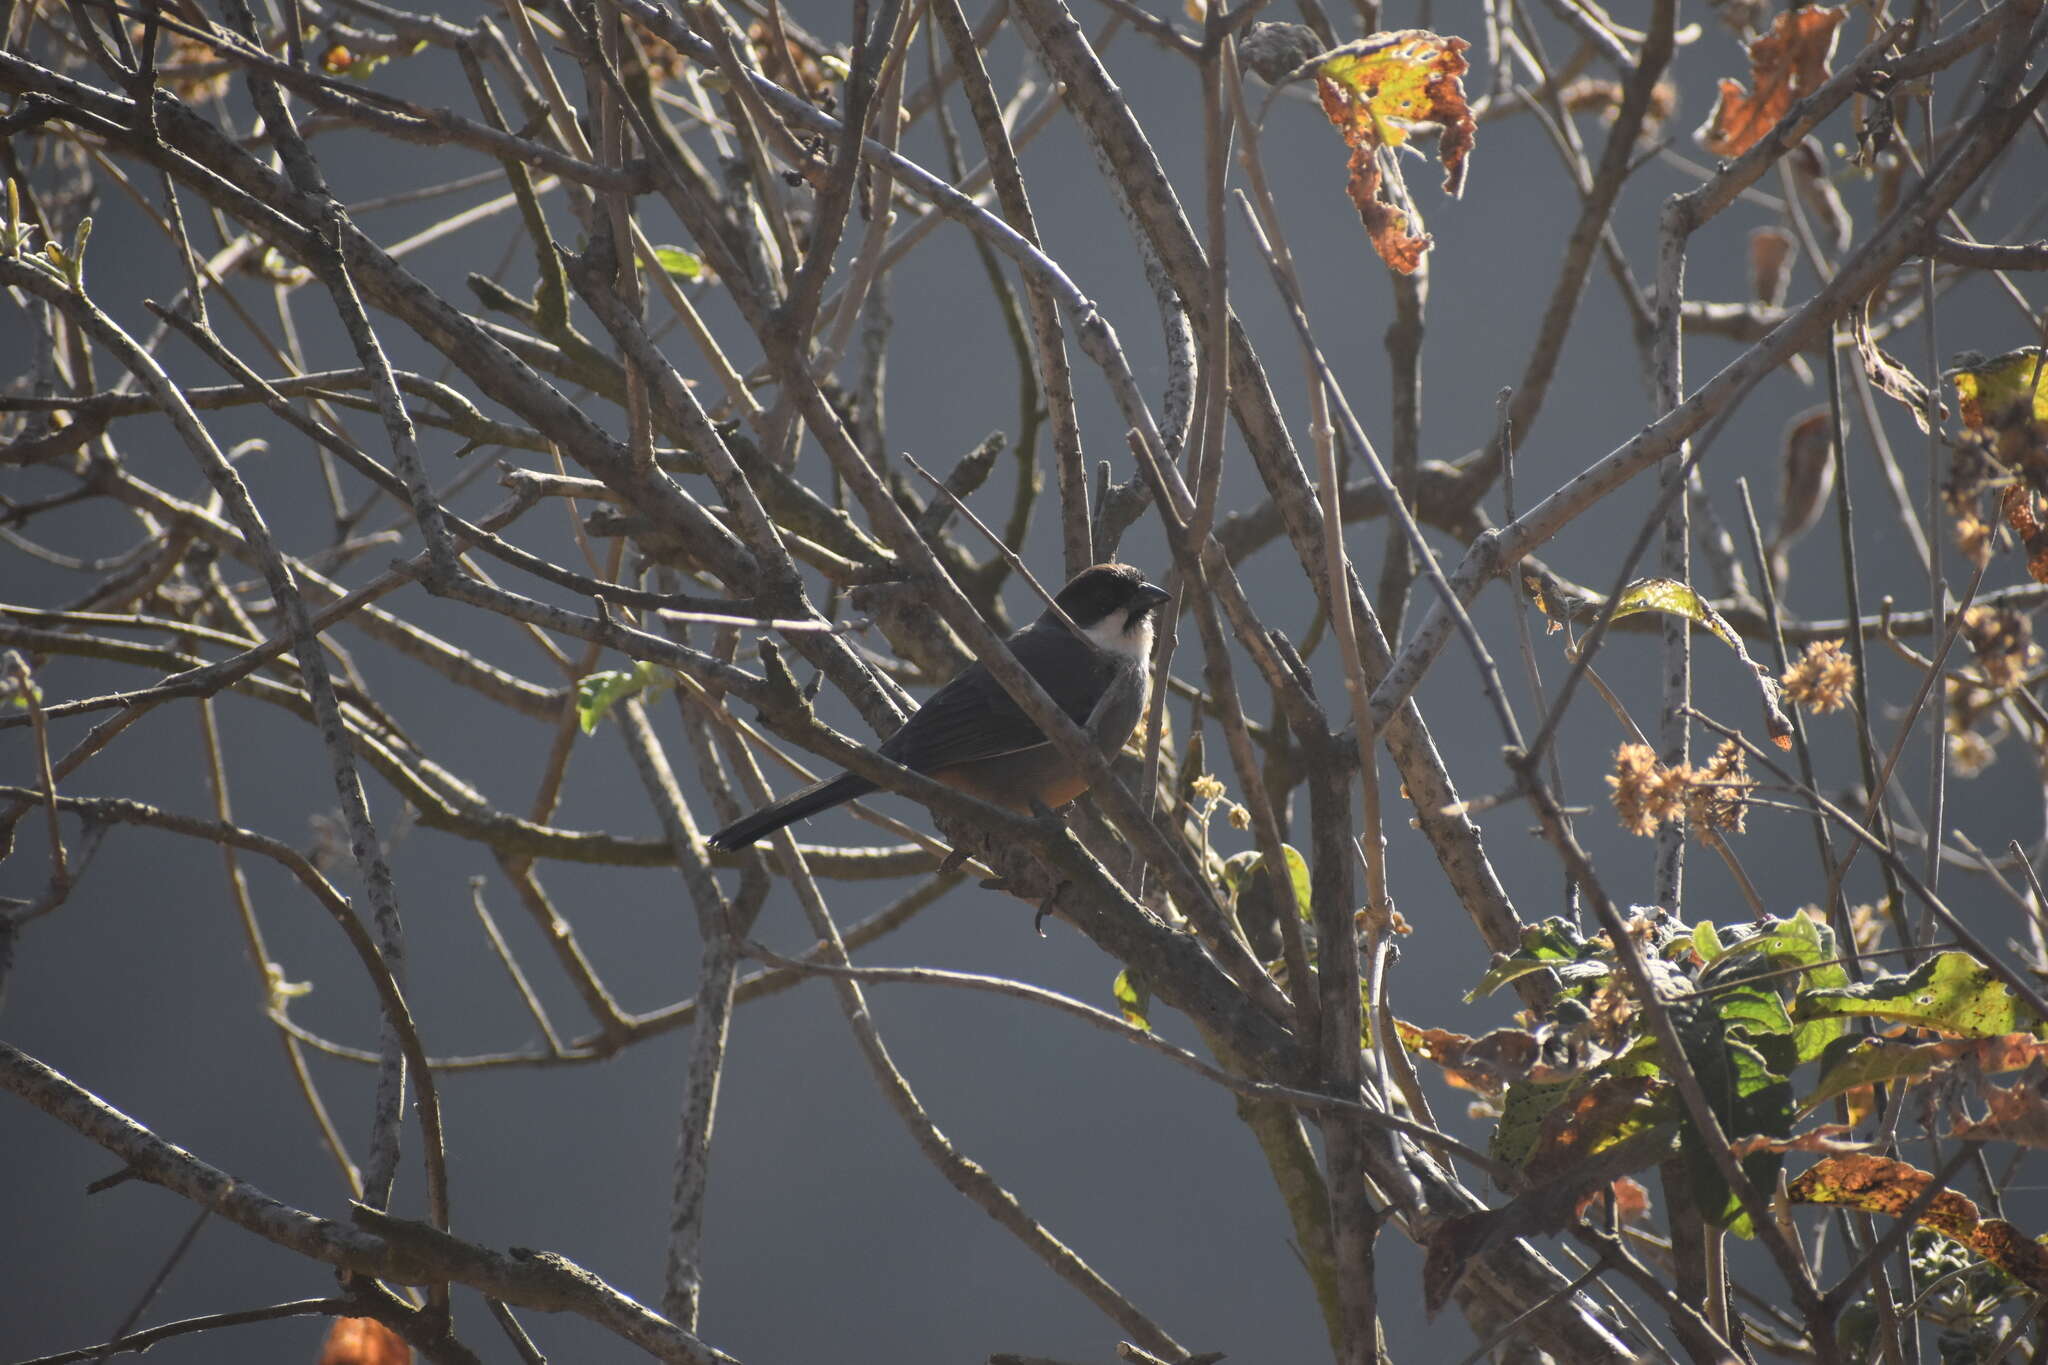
(972, 735)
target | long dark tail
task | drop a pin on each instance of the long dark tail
(819, 796)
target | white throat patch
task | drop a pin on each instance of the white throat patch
(1109, 634)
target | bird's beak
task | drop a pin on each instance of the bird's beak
(1151, 595)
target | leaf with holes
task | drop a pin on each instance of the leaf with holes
(1376, 91)
(1878, 1184)
(1950, 993)
(1520, 1125)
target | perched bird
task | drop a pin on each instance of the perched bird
(974, 738)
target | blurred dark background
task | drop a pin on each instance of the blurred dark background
(829, 1238)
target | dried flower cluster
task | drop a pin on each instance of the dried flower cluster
(1820, 680)
(1976, 722)
(660, 59)
(1979, 708)
(1709, 798)
(1611, 1013)
(1646, 793)
(1973, 537)
(1209, 795)
(815, 73)
(1718, 793)
(2004, 643)
(1970, 476)
(1970, 753)
(1648, 925)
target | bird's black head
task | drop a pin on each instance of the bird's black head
(1110, 595)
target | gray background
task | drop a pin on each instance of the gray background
(829, 1238)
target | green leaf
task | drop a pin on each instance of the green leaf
(1857, 1062)
(1554, 940)
(1133, 999)
(1606, 1112)
(1795, 941)
(1236, 869)
(1706, 940)
(1747, 1093)
(16, 234)
(598, 693)
(1744, 986)
(1503, 970)
(74, 259)
(1799, 941)
(1753, 1010)
(1522, 1113)
(1749, 1098)
(1297, 872)
(1240, 868)
(1949, 993)
(1673, 598)
(1643, 1057)
(1554, 945)
(682, 264)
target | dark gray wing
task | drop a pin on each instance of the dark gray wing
(972, 717)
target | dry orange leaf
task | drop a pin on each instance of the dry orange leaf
(1771, 253)
(1631, 1201)
(1785, 65)
(1829, 1138)
(1374, 91)
(1879, 1184)
(2017, 1113)
(364, 1341)
(1486, 1065)
(1806, 476)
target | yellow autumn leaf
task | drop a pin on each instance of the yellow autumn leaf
(1376, 91)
